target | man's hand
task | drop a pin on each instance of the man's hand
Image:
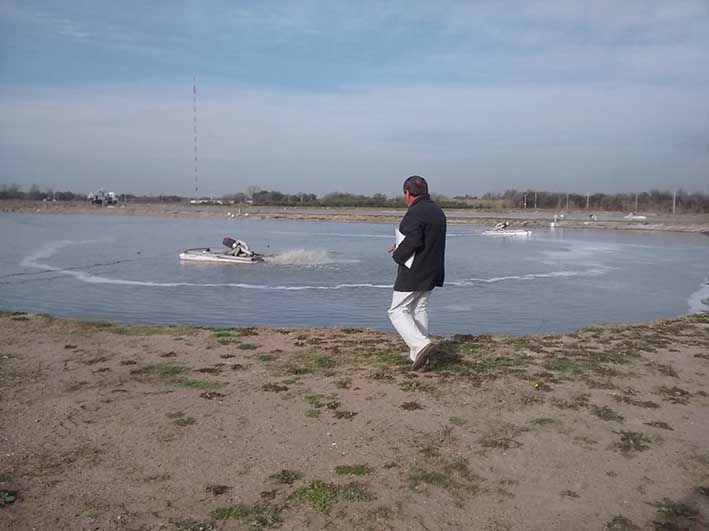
(392, 250)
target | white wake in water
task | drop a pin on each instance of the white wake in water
(292, 257)
(338, 234)
(298, 257)
(699, 300)
(48, 251)
(593, 272)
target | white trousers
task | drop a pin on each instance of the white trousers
(408, 314)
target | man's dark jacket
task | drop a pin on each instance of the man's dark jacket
(424, 228)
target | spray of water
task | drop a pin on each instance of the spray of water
(699, 300)
(303, 257)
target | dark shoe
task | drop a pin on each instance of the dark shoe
(422, 357)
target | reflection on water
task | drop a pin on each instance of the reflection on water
(330, 274)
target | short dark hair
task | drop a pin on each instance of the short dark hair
(416, 185)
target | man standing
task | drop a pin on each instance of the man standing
(424, 231)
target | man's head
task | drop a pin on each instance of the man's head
(414, 187)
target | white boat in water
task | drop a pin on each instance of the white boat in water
(506, 232)
(237, 252)
(633, 215)
(502, 230)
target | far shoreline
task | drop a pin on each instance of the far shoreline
(533, 219)
(132, 328)
(147, 328)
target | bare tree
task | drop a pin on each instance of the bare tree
(252, 190)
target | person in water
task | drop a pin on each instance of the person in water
(424, 230)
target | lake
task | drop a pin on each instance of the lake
(324, 274)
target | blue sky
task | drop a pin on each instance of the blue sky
(354, 96)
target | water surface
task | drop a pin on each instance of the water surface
(339, 274)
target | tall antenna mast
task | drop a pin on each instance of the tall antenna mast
(194, 130)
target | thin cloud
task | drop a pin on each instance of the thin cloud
(63, 26)
(472, 139)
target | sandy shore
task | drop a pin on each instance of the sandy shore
(144, 428)
(529, 219)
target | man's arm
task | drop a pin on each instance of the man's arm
(413, 240)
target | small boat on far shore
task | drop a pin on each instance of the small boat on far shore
(634, 216)
(502, 230)
(507, 232)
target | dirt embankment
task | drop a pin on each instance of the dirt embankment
(146, 428)
(535, 220)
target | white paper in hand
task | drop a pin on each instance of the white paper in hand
(398, 238)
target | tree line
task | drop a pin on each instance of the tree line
(257, 196)
(14, 191)
(652, 201)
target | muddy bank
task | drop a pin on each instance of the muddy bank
(536, 219)
(109, 427)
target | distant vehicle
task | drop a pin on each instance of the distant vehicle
(206, 202)
(103, 198)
